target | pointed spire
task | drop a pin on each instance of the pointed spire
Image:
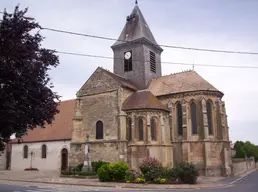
(136, 28)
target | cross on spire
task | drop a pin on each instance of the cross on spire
(136, 2)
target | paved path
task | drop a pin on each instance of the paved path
(248, 184)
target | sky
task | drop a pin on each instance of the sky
(214, 24)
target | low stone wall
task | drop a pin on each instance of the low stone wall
(242, 165)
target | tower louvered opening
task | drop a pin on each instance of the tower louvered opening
(152, 62)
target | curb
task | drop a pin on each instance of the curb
(135, 187)
(241, 178)
(115, 186)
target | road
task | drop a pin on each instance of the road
(248, 184)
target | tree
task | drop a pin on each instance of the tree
(246, 149)
(26, 98)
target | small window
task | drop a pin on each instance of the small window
(99, 130)
(128, 62)
(152, 62)
(140, 129)
(179, 119)
(129, 129)
(209, 116)
(44, 152)
(25, 152)
(153, 130)
(194, 118)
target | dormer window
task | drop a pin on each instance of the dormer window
(128, 63)
(152, 62)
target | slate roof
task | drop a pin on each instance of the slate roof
(60, 129)
(136, 28)
(143, 99)
(124, 82)
(180, 82)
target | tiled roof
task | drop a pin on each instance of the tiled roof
(60, 129)
(121, 80)
(136, 28)
(143, 99)
(180, 82)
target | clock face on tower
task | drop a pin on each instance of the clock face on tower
(128, 55)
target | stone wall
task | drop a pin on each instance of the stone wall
(242, 165)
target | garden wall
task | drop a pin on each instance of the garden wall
(241, 165)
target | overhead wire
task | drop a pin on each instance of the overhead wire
(164, 62)
(169, 46)
(161, 45)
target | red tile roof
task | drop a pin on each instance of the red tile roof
(180, 82)
(60, 129)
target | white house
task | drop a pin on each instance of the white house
(3, 160)
(46, 149)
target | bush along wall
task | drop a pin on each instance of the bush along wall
(113, 172)
(151, 171)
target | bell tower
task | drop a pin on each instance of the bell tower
(137, 56)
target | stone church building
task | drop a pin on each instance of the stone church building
(135, 112)
(132, 113)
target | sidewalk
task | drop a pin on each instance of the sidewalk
(54, 178)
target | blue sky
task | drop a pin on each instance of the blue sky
(213, 24)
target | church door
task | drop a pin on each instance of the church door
(8, 160)
(64, 159)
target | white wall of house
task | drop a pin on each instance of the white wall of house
(51, 163)
(3, 160)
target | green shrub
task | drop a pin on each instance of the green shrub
(78, 168)
(150, 168)
(186, 172)
(168, 173)
(104, 173)
(97, 164)
(130, 175)
(118, 170)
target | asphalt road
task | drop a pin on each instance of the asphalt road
(248, 184)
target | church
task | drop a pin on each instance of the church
(134, 112)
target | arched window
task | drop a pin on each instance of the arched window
(129, 129)
(194, 117)
(99, 130)
(153, 130)
(179, 119)
(140, 129)
(44, 152)
(209, 116)
(25, 152)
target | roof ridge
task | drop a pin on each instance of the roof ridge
(106, 70)
(122, 80)
(176, 73)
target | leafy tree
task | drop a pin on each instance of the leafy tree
(240, 153)
(26, 98)
(246, 149)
